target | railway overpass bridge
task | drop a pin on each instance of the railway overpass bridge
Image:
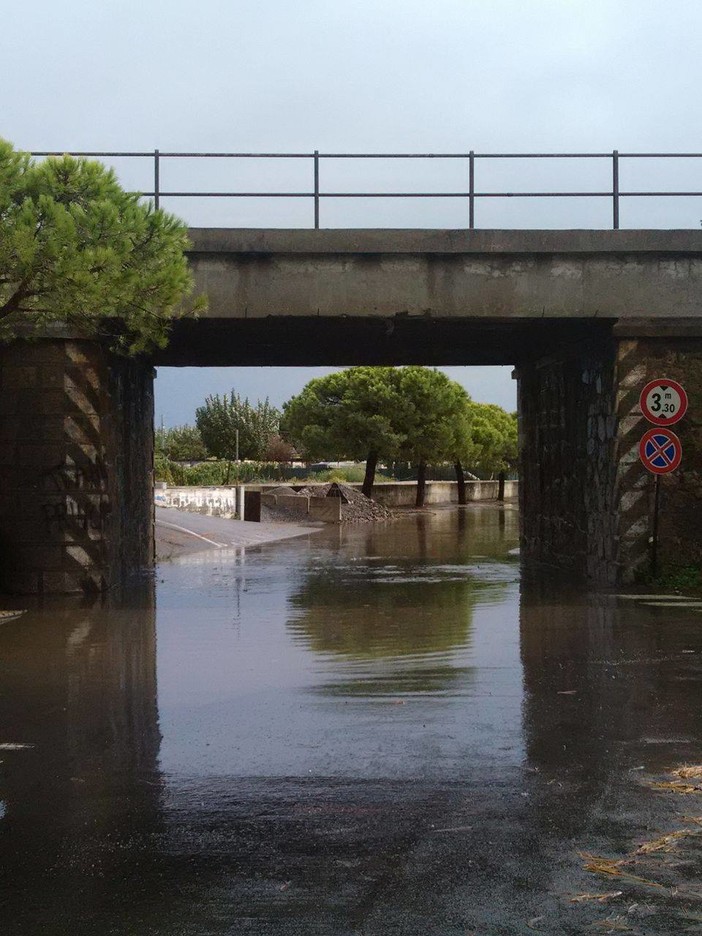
(586, 317)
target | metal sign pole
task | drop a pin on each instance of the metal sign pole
(663, 402)
(654, 538)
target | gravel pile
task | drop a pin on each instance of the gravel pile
(355, 507)
(282, 490)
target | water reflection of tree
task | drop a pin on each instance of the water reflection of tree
(394, 610)
(441, 535)
(405, 589)
(377, 614)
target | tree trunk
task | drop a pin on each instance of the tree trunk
(501, 486)
(229, 469)
(461, 482)
(421, 483)
(371, 463)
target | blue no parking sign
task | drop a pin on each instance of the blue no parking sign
(660, 451)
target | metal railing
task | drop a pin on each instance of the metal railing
(470, 195)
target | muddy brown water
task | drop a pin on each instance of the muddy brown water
(379, 729)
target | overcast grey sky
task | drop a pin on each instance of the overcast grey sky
(363, 76)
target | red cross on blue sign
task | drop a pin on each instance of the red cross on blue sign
(660, 451)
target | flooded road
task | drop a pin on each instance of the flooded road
(371, 730)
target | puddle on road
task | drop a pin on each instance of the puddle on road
(374, 730)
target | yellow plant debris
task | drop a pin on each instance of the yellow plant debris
(665, 843)
(674, 786)
(600, 898)
(688, 773)
(599, 865)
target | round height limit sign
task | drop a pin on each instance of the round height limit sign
(663, 402)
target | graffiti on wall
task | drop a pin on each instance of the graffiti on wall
(69, 476)
(84, 506)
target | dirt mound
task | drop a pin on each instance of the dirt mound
(355, 506)
(280, 491)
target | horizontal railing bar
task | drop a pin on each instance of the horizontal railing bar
(230, 194)
(465, 194)
(658, 194)
(660, 155)
(418, 194)
(465, 155)
(175, 155)
(88, 153)
(378, 194)
(586, 155)
(205, 155)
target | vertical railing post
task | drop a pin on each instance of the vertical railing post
(471, 190)
(316, 189)
(615, 189)
(157, 179)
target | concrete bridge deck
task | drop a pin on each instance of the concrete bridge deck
(432, 297)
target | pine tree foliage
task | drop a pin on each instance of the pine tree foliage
(492, 441)
(432, 415)
(415, 414)
(344, 415)
(78, 251)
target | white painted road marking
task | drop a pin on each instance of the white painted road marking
(174, 526)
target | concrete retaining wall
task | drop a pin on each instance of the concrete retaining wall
(225, 501)
(211, 501)
(403, 493)
(323, 509)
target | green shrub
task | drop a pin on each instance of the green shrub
(214, 473)
(162, 468)
(686, 579)
(349, 475)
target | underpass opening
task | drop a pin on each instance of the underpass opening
(566, 372)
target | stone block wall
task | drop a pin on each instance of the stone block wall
(680, 500)
(76, 467)
(568, 433)
(129, 454)
(587, 502)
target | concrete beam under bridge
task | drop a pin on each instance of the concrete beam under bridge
(298, 341)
